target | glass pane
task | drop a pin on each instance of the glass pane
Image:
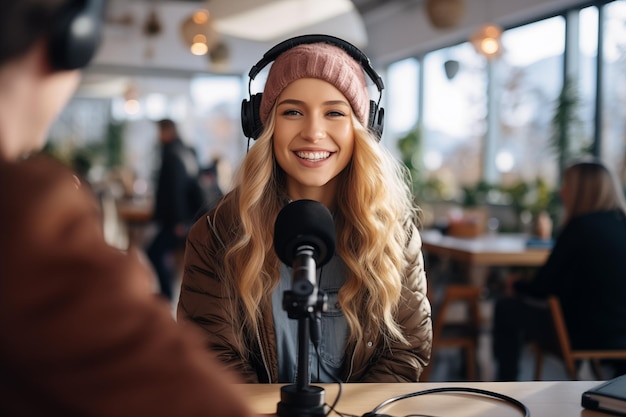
(454, 117)
(530, 77)
(588, 51)
(217, 122)
(614, 88)
(401, 97)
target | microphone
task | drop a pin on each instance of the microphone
(304, 223)
(304, 238)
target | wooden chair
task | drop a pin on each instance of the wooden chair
(457, 334)
(569, 355)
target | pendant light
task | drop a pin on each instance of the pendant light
(487, 40)
(198, 32)
(444, 14)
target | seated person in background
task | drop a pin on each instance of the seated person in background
(81, 333)
(315, 145)
(586, 270)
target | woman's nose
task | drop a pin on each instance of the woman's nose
(314, 128)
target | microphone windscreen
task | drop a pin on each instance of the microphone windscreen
(304, 222)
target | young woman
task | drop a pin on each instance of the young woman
(81, 331)
(586, 270)
(314, 145)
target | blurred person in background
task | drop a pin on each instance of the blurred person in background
(179, 197)
(81, 333)
(586, 270)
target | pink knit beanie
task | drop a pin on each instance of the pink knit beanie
(317, 60)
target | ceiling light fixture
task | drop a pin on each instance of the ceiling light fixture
(152, 27)
(198, 32)
(219, 56)
(132, 105)
(487, 41)
(445, 14)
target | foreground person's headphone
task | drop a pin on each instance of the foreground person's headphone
(250, 109)
(76, 34)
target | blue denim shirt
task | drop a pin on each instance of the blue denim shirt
(334, 326)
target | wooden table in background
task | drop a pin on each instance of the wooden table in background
(543, 398)
(477, 254)
(136, 215)
(135, 211)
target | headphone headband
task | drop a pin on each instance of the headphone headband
(347, 47)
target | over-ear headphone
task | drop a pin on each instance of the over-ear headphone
(250, 117)
(76, 34)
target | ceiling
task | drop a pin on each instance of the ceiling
(386, 30)
(245, 27)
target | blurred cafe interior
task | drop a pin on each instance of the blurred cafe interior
(485, 101)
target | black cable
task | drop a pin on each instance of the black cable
(332, 375)
(420, 415)
(486, 393)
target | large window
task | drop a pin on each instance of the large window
(488, 131)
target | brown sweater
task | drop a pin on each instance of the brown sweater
(80, 332)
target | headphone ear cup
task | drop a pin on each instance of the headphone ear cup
(76, 35)
(380, 123)
(250, 117)
(376, 120)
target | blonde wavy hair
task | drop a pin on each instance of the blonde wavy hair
(374, 209)
(588, 186)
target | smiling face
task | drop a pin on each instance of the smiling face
(313, 138)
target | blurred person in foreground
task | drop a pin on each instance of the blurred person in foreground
(80, 331)
(586, 270)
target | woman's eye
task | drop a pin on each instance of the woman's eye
(291, 112)
(336, 113)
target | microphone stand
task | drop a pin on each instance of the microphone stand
(304, 301)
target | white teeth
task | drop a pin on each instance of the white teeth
(313, 156)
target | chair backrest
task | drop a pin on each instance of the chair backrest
(460, 334)
(559, 325)
(569, 354)
(468, 294)
(561, 331)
